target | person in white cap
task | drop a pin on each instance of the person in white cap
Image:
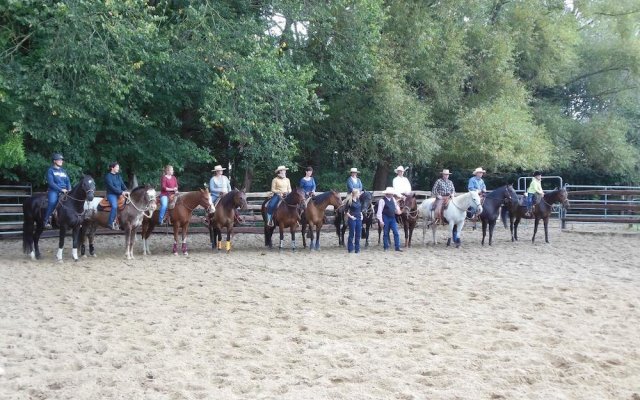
(400, 183)
(443, 190)
(280, 187)
(476, 182)
(219, 184)
(388, 208)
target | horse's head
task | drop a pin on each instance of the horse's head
(476, 202)
(150, 197)
(365, 200)
(205, 201)
(88, 186)
(510, 195)
(335, 200)
(240, 199)
(563, 197)
(410, 203)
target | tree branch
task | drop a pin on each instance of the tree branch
(10, 51)
(601, 71)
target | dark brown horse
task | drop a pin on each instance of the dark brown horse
(287, 214)
(139, 203)
(314, 215)
(541, 211)
(409, 217)
(225, 217)
(500, 197)
(180, 217)
(368, 215)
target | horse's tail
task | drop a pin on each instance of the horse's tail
(504, 214)
(27, 226)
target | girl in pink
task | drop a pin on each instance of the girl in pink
(169, 186)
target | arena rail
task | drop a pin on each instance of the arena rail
(611, 204)
(11, 198)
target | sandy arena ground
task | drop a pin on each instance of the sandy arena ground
(514, 321)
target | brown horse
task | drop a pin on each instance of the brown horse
(225, 217)
(287, 214)
(541, 211)
(180, 218)
(139, 203)
(314, 215)
(409, 217)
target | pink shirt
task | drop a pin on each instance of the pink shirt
(167, 183)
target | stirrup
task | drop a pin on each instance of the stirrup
(47, 225)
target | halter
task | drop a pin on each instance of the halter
(144, 212)
(456, 206)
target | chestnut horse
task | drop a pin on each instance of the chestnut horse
(314, 215)
(180, 217)
(541, 211)
(287, 214)
(140, 202)
(225, 217)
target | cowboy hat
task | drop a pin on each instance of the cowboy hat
(479, 169)
(400, 168)
(218, 168)
(445, 172)
(352, 170)
(280, 168)
(389, 190)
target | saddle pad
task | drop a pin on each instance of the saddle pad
(105, 206)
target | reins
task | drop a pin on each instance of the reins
(143, 211)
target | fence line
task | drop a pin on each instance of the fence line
(613, 204)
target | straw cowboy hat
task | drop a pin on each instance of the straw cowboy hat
(400, 168)
(389, 190)
(352, 170)
(446, 172)
(280, 168)
(218, 168)
(479, 169)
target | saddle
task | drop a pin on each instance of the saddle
(173, 197)
(438, 208)
(105, 206)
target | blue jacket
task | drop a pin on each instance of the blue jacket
(114, 184)
(308, 186)
(351, 185)
(57, 179)
(476, 184)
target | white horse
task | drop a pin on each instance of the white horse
(455, 214)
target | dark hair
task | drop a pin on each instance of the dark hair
(309, 169)
(113, 164)
(536, 173)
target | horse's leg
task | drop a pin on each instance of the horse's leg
(303, 230)
(63, 231)
(92, 236)
(484, 232)
(492, 225)
(451, 225)
(75, 235)
(412, 226)
(515, 228)
(535, 229)
(36, 239)
(318, 228)
(132, 240)
(405, 227)
(293, 237)
(127, 254)
(281, 230)
(185, 247)
(545, 221)
(459, 233)
(511, 226)
(365, 232)
(229, 232)
(174, 249)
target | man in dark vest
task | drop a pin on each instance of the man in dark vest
(388, 208)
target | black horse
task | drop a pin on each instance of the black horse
(368, 215)
(500, 197)
(70, 213)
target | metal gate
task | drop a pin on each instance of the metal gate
(590, 203)
(11, 217)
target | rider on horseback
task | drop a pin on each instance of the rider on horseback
(115, 188)
(308, 183)
(443, 190)
(476, 183)
(280, 186)
(168, 188)
(58, 182)
(535, 189)
(218, 184)
(400, 183)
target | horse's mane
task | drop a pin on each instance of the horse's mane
(141, 187)
(227, 199)
(290, 199)
(322, 197)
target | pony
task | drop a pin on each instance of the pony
(455, 214)
(287, 214)
(368, 215)
(408, 218)
(139, 203)
(225, 216)
(500, 197)
(314, 215)
(70, 210)
(180, 217)
(541, 211)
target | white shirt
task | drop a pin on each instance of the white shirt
(401, 185)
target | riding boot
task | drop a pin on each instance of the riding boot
(269, 220)
(47, 224)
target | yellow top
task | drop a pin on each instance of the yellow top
(280, 185)
(535, 187)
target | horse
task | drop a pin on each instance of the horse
(139, 203)
(314, 215)
(368, 213)
(287, 214)
(70, 210)
(225, 217)
(408, 218)
(455, 214)
(541, 211)
(500, 197)
(180, 217)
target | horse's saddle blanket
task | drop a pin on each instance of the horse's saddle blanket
(105, 206)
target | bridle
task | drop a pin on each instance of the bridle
(143, 211)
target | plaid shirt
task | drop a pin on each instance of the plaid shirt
(443, 188)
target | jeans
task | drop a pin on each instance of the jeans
(271, 206)
(52, 197)
(113, 201)
(390, 223)
(530, 199)
(164, 203)
(355, 232)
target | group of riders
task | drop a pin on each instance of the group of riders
(58, 183)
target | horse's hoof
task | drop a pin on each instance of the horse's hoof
(186, 253)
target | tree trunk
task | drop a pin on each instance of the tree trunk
(381, 176)
(248, 179)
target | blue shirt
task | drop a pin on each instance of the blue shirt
(114, 184)
(57, 179)
(355, 209)
(308, 185)
(354, 185)
(476, 183)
